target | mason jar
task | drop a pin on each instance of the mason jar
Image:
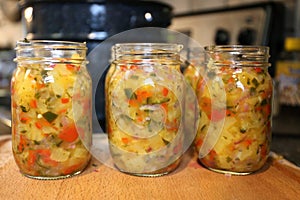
(235, 97)
(144, 93)
(51, 109)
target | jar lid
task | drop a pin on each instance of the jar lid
(292, 44)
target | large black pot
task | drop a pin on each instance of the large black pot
(90, 20)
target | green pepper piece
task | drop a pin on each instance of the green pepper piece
(24, 109)
(255, 82)
(129, 94)
(228, 159)
(50, 116)
(264, 102)
(134, 77)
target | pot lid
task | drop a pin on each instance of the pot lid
(25, 3)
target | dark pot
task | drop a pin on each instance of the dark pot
(84, 20)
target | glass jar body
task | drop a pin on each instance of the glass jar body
(51, 109)
(144, 90)
(235, 99)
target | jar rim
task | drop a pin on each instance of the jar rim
(238, 55)
(53, 44)
(147, 46)
(237, 48)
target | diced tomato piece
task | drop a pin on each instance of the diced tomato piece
(267, 109)
(201, 84)
(65, 100)
(229, 113)
(209, 160)
(248, 142)
(72, 169)
(69, 133)
(258, 69)
(149, 149)
(45, 157)
(62, 111)
(31, 159)
(109, 130)
(231, 80)
(40, 85)
(22, 143)
(213, 153)
(38, 125)
(143, 95)
(24, 119)
(222, 69)
(140, 119)
(133, 102)
(165, 91)
(165, 107)
(125, 140)
(133, 67)
(72, 67)
(205, 104)
(14, 104)
(171, 125)
(49, 161)
(33, 103)
(199, 142)
(123, 67)
(42, 123)
(44, 152)
(263, 151)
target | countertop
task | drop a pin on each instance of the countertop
(279, 179)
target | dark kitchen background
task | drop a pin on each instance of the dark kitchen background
(248, 22)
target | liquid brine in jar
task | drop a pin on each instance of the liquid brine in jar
(144, 92)
(193, 70)
(235, 98)
(51, 109)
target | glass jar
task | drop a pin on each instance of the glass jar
(144, 93)
(51, 109)
(235, 97)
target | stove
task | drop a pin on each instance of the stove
(255, 24)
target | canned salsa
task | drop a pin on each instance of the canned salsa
(143, 110)
(51, 109)
(241, 73)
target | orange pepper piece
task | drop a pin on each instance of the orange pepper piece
(69, 133)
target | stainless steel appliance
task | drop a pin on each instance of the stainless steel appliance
(255, 24)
